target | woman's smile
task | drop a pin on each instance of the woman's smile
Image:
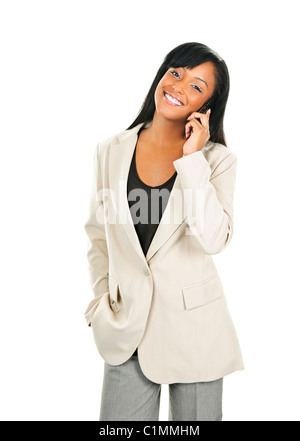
(170, 99)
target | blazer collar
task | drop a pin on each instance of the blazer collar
(121, 153)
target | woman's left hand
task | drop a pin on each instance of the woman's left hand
(200, 134)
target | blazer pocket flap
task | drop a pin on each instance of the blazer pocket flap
(202, 293)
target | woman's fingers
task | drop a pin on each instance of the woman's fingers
(204, 117)
(200, 131)
(193, 124)
(204, 124)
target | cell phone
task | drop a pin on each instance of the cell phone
(205, 107)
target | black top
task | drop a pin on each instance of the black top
(146, 204)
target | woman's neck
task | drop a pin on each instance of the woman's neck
(164, 133)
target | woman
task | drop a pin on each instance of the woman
(159, 313)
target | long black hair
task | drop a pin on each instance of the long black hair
(190, 55)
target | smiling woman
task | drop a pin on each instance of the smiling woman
(159, 313)
(195, 75)
(188, 85)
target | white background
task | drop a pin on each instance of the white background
(76, 72)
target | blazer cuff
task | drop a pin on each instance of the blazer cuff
(91, 309)
(193, 168)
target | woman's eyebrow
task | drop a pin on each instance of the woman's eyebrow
(197, 78)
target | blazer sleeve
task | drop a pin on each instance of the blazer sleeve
(97, 253)
(208, 196)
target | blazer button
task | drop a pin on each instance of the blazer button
(145, 269)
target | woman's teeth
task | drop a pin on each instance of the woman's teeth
(172, 100)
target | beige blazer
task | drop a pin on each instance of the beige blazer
(170, 303)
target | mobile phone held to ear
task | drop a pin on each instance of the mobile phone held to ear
(205, 107)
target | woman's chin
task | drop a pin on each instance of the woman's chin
(170, 114)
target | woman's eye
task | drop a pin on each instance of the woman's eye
(198, 89)
(174, 72)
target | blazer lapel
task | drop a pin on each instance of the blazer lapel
(121, 153)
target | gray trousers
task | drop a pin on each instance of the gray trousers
(127, 395)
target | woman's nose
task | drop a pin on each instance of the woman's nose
(177, 89)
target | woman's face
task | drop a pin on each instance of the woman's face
(192, 87)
